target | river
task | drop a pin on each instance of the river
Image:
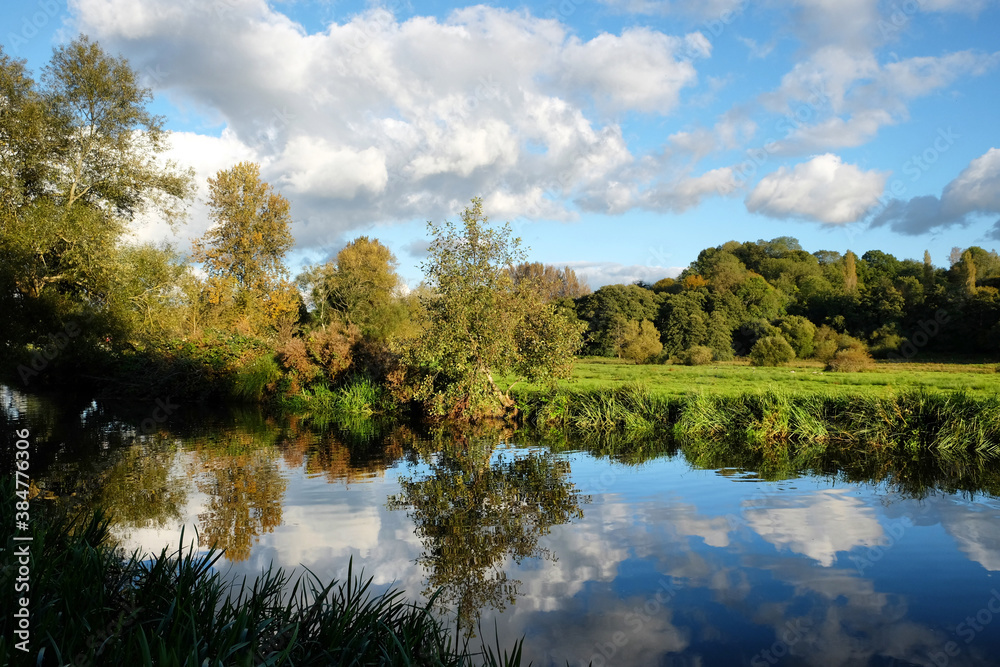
(647, 556)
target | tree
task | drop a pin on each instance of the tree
(361, 287)
(243, 252)
(480, 324)
(771, 351)
(641, 341)
(850, 273)
(552, 283)
(79, 160)
(607, 310)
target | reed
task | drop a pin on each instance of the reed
(93, 605)
(909, 421)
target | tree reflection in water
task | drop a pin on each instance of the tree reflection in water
(473, 511)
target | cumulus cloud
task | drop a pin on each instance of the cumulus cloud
(840, 97)
(975, 191)
(378, 119)
(599, 274)
(824, 189)
(688, 192)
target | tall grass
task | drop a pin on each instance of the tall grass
(909, 421)
(253, 379)
(92, 605)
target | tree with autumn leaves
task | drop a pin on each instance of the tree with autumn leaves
(243, 252)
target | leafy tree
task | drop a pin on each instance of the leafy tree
(799, 332)
(850, 273)
(243, 252)
(641, 341)
(685, 323)
(608, 309)
(79, 160)
(480, 324)
(552, 283)
(760, 298)
(771, 351)
(720, 336)
(360, 287)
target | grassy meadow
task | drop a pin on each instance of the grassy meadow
(732, 378)
(906, 408)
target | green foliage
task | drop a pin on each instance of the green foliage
(80, 161)
(256, 377)
(608, 309)
(685, 323)
(359, 288)
(480, 324)
(800, 334)
(850, 360)
(641, 341)
(697, 355)
(771, 351)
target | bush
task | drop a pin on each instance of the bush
(850, 360)
(828, 342)
(771, 351)
(697, 355)
(641, 341)
(257, 376)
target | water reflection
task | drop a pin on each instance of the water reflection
(473, 512)
(621, 554)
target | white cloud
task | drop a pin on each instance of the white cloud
(599, 274)
(975, 191)
(823, 189)
(817, 525)
(637, 70)
(840, 95)
(379, 120)
(688, 192)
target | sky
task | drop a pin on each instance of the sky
(618, 137)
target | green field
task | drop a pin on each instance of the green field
(738, 377)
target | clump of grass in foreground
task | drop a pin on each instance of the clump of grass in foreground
(92, 606)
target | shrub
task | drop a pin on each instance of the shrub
(800, 334)
(253, 379)
(697, 355)
(771, 351)
(850, 360)
(828, 342)
(641, 341)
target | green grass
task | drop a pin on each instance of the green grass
(902, 408)
(92, 605)
(801, 377)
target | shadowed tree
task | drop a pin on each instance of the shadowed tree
(79, 159)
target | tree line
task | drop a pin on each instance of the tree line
(803, 304)
(81, 160)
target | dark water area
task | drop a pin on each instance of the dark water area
(662, 557)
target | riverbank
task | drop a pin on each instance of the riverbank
(909, 421)
(90, 604)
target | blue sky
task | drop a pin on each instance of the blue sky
(617, 136)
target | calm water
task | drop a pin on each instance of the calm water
(590, 559)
